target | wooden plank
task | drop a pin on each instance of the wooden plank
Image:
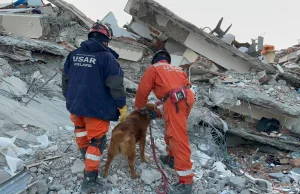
(41, 161)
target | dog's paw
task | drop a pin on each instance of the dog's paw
(135, 176)
(105, 174)
(145, 159)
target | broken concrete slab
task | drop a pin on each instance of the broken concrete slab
(150, 176)
(77, 167)
(278, 143)
(16, 54)
(152, 13)
(13, 85)
(5, 68)
(127, 51)
(34, 45)
(256, 105)
(178, 60)
(30, 24)
(23, 135)
(255, 97)
(54, 116)
(139, 28)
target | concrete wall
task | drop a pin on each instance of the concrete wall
(141, 29)
(292, 55)
(22, 25)
(127, 52)
(190, 55)
(178, 60)
(174, 47)
(216, 54)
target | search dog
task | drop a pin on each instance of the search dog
(125, 136)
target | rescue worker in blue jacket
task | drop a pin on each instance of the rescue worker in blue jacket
(93, 86)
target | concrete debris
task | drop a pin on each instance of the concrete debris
(77, 167)
(295, 172)
(64, 6)
(246, 191)
(31, 24)
(150, 176)
(238, 183)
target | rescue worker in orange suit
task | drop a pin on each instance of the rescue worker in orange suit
(93, 87)
(171, 85)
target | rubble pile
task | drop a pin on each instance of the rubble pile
(238, 98)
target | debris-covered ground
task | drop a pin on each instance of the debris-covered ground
(244, 129)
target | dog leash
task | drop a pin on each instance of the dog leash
(163, 188)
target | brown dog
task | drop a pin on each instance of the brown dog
(126, 134)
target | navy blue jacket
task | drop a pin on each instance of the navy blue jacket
(93, 82)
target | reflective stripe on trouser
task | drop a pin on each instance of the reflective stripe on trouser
(92, 159)
(177, 138)
(80, 131)
(96, 128)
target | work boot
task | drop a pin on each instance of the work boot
(90, 183)
(83, 152)
(169, 160)
(180, 188)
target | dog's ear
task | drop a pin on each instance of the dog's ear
(143, 111)
(151, 107)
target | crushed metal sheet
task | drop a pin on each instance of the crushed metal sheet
(16, 183)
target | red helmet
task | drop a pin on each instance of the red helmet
(101, 28)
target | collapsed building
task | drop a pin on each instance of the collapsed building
(255, 100)
(235, 91)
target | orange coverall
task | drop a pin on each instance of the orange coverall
(87, 128)
(163, 78)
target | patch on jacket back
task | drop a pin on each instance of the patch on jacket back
(83, 60)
